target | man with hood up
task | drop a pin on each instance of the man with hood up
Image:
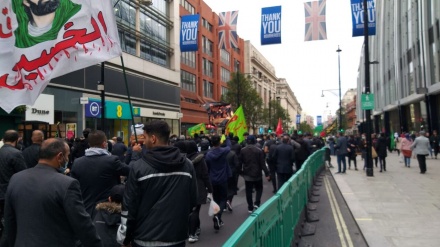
(160, 192)
(219, 172)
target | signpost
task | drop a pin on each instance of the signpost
(367, 101)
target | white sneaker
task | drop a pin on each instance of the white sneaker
(193, 239)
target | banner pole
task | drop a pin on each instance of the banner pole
(129, 98)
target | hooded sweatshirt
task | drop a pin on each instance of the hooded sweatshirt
(218, 168)
(107, 221)
(159, 195)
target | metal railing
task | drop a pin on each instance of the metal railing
(273, 224)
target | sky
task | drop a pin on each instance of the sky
(309, 67)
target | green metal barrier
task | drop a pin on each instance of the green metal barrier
(274, 222)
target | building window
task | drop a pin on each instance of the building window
(193, 101)
(225, 75)
(153, 34)
(188, 58)
(224, 91)
(187, 6)
(225, 57)
(207, 67)
(208, 88)
(128, 42)
(207, 25)
(207, 46)
(188, 81)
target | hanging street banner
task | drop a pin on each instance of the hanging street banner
(357, 10)
(41, 40)
(271, 25)
(227, 30)
(315, 24)
(188, 33)
(319, 120)
(298, 118)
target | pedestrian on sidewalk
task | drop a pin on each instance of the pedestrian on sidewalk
(421, 149)
(352, 146)
(374, 140)
(341, 152)
(434, 140)
(252, 161)
(234, 165)
(381, 149)
(398, 142)
(405, 148)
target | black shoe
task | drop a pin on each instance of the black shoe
(356, 168)
(337, 172)
(380, 171)
(216, 223)
(228, 206)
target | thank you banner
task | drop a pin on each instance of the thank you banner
(319, 120)
(188, 33)
(357, 10)
(271, 25)
(298, 118)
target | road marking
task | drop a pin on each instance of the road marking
(362, 219)
(344, 235)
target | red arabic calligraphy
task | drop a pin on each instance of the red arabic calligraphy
(5, 35)
(71, 38)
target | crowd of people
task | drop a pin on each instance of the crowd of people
(99, 192)
(416, 145)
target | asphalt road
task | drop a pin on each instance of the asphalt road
(336, 225)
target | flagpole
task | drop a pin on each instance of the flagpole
(101, 88)
(129, 99)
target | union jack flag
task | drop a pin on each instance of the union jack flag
(315, 21)
(227, 30)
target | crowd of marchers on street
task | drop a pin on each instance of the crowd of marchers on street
(99, 192)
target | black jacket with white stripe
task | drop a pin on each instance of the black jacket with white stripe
(160, 192)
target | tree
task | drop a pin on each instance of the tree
(344, 123)
(249, 98)
(276, 112)
(305, 127)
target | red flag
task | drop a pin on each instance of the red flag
(279, 127)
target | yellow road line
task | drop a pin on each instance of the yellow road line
(338, 213)
(338, 225)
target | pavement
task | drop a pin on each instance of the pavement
(399, 207)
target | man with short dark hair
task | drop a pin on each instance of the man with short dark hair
(31, 153)
(98, 171)
(341, 151)
(44, 207)
(284, 155)
(160, 192)
(119, 149)
(11, 162)
(252, 161)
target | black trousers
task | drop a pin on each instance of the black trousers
(220, 195)
(422, 162)
(194, 220)
(282, 178)
(258, 185)
(273, 176)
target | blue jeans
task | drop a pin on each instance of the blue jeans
(341, 158)
(407, 161)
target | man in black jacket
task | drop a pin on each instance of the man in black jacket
(11, 162)
(44, 207)
(119, 149)
(284, 156)
(252, 160)
(31, 153)
(98, 171)
(160, 192)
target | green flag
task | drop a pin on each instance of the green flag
(237, 124)
(197, 129)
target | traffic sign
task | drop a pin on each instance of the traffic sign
(367, 101)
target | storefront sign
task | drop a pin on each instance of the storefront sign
(154, 113)
(93, 109)
(42, 110)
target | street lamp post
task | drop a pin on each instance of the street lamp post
(368, 158)
(340, 103)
